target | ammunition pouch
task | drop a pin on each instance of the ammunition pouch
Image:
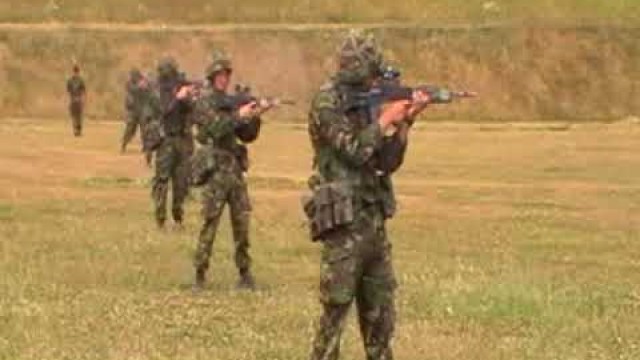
(330, 207)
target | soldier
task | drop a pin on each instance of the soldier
(77, 92)
(352, 198)
(143, 109)
(223, 132)
(150, 114)
(133, 106)
(172, 152)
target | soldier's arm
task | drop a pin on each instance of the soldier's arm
(355, 146)
(181, 106)
(391, 154)
(248, 130)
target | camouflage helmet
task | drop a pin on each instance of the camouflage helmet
(220, 61)
(359, 56)
(135, 74)
(167, 66)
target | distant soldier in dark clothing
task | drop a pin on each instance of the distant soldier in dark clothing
(77, 94)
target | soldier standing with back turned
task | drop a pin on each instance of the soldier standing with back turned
(173, 151)
(143, 109)
(352, 199)
(77, 94)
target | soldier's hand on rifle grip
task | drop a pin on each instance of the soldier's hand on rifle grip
(265, 105)
(248, 110)
(394, 113)
(184, 92)
(420, 102)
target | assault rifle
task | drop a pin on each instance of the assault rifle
(389, 89)
(242, 96)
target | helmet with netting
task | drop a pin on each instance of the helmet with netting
(220, 61)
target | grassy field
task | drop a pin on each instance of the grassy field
(279, 11)
(512, 242)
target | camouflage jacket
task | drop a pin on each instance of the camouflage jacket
(224, 131)
(149, 105)
(349, 147)
(134, 97)
(76, 88)
(174, 113)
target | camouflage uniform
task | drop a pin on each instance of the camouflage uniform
(134, 106)
(76, 90)
(352, 198)
(223, 135)
(172, 154)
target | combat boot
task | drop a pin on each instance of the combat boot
(198, 284)
(246, 281)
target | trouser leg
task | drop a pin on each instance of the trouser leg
(130, 129)
(375, 297)
(339, 276)
(240, 211)
(180, 184)
(160, 182)
(213, 200)
(326, 344)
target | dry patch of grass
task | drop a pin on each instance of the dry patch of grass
(576, 73)
(518, 243)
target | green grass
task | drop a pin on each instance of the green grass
(496, 258)
(292, 11)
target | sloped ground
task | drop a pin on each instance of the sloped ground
(578, 73)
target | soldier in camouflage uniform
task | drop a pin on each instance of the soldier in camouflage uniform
(133, 106)
(77, 92)
(352, 196)
(223, 132)
(172, 153)
(143, 108)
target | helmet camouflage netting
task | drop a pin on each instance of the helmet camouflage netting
(220, 61)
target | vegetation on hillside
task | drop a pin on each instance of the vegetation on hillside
(521, 74)
(321, 11)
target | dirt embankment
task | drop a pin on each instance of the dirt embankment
(578, 73)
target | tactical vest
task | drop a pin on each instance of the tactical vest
(227, 146)
(369, 184)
